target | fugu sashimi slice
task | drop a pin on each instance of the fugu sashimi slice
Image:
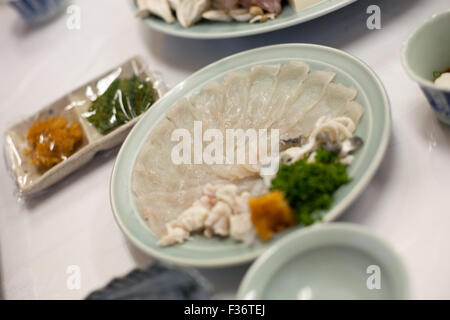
(236, 89)
(311, 91)
(232, 172)
(209, 104)
(263, 82)
(354, 111)
(290, 80)
(158, 208)
(333, 104)
(193, 175)
(155, 146)
(182, 114)
(145, 182)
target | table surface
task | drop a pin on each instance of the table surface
(406, 202)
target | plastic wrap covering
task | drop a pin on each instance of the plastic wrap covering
(63, 136)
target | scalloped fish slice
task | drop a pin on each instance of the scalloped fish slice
(158, 208)
(233, 172)
(182, 115)
(290, 80)
(333, 104)
(311, 91)
(354, 111)
(263, 82)
(152, 160)
(236, 92)
(209, 104)
(158, 139)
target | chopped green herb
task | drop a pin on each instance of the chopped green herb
(309, 187)
(436, 74)
(124, 100)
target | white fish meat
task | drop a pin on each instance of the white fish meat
(190, 11)
(159, 8)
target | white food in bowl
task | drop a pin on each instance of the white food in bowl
(443, 81)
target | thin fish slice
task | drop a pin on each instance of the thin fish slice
(182, 115)
(209, 104)
(290, 80)
(311, 91)
(354, 111)
(333, 104)
(236, 87)
(158, 208)
(150, 162)
(263, 82)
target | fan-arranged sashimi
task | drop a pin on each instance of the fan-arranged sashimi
(204, 162)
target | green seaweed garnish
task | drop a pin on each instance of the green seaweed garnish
(436, 74)
(309, 187)
(124, 100)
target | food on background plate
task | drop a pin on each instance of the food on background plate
(315, 119)
(189, 12)
(122, 101)
(442, 79)
(52, 141)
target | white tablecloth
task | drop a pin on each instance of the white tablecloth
(407, 202)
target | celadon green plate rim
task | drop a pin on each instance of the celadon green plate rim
(258, 275)
(202, 252)
(219, 30)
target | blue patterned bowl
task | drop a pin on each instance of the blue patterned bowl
(425, 51)
(38, 11)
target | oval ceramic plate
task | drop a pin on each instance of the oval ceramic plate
(331, 261)
(374, 129)
(216, 30)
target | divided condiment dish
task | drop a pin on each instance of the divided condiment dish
(72, 106)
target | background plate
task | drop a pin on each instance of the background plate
(216, 30)
(374, 129)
